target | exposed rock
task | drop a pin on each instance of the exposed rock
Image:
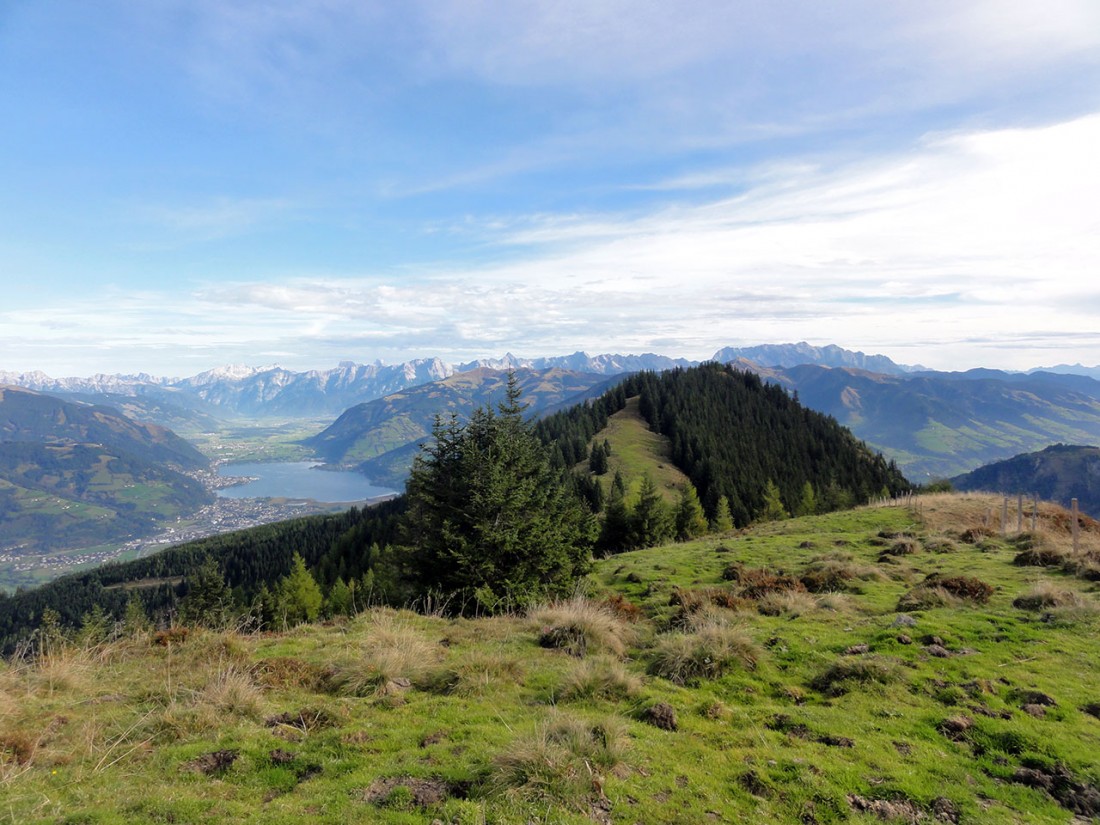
(945, 810)
(857, 650)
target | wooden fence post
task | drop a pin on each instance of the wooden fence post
(1076, 528)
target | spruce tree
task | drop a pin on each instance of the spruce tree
(208, 602)
(807, 504)
(487, 514)
(773, 509)
(298, 597)
(691, 521)
(651, 522)
(615, 531)
(723, 519)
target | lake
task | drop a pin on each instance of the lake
(298, 479)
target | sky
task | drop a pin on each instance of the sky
(191, 183)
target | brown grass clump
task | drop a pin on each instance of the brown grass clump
(1084, 565)
(968, 588)
(1038, 551)
(601, 677)
(233, 690)
(394, 655)
(16, 748)
(902, 547)
(835, 572)
(927, 598)
(945, 591)
(562, 762)
(941, 545)
(1046, 595)
(756, 582)
(622, 607)
(844, 674)
(474, 673)
(792, 603)
(580, 626)
(287, 671)
(707, 651)
(693, 600)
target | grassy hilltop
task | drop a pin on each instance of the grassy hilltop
(880, 664)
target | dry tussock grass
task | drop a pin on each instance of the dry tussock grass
(601, 677)
(233, 690)
(394, 653)
(1045, 595)
(581, 626)
(836, 572)
(561, 762)
(791, 603)
(706, 650)
(474, 673)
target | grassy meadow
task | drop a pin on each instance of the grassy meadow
(884, 664)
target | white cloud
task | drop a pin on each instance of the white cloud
(973, 248)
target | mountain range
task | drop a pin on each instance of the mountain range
(937, 425)
(934, 424)
(381, 437)
(76, 475)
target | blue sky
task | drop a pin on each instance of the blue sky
(188, 184)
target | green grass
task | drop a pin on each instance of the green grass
(473, 720)
(637, 450)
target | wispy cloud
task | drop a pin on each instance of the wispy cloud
(219, 217)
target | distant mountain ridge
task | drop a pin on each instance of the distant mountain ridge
(381, 437)
(27, 416)
(937, 425)
(75, 475)
(237, 390)
(793, 355)
(1060, 473)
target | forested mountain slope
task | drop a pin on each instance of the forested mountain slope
(74, 475)
(1061, 472)
(937, 425)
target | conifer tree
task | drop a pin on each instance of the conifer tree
(651, 521)
(615, 531)
(723, 519)
(340, 599)
(691, 521)
(135, 620)
(208, 602)
(807, 504)
(298, 597)
(487, 514)
(597, 460)
(773, 509)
